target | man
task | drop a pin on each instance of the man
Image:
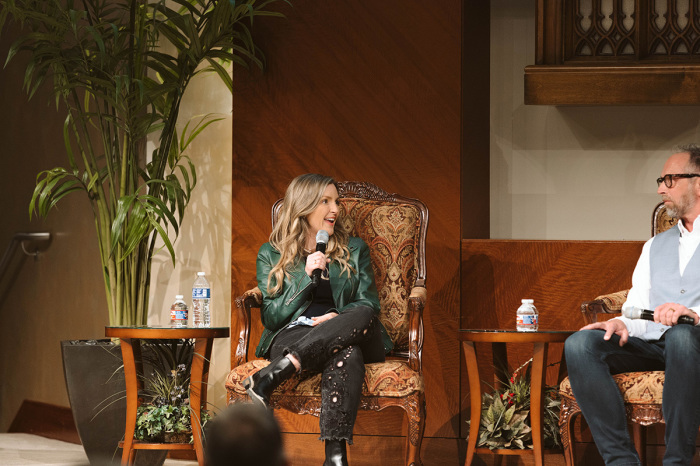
(667, 281)
(244, 435)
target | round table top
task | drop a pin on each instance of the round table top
(514, 336)
(156, 333)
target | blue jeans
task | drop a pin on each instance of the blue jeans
(591, 361)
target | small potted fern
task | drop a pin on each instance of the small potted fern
(164, 414)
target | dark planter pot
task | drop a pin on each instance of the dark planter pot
(96, 391)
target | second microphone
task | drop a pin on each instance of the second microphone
(646, 314)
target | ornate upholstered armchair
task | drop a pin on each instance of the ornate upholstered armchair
(394, 227)
(641, 391)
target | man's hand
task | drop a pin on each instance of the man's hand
(612, 326)
(668, 314)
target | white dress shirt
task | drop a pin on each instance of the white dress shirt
(641, 282)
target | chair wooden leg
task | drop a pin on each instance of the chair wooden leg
(415, 410)
(569, 409)
(639, 437)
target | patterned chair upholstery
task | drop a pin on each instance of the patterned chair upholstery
(394, 227)
(641, 391)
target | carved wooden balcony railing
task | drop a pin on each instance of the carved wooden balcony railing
(616, 52)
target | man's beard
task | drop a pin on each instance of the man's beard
(680, 208)
(673, 211)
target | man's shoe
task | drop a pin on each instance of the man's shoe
(336, 453)
(260, 385)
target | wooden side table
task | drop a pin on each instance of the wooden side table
(133, 367)
(498, 340)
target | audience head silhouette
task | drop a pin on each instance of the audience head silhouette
(244, 435)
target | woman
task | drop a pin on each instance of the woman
(342, 333)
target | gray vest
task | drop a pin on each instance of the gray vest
(667, 285)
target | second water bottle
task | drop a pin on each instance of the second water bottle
(201, 296)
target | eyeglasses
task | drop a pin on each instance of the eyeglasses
(668, 179)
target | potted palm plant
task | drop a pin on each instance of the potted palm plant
(118, 70)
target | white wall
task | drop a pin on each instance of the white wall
(580, 173)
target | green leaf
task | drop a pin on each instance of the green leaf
(509, 414)
(204, 122)
(51, 186)
(222, 72)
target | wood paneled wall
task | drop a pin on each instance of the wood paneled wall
(476, 120)
(375, 91)
(559, 276)
(361, 91)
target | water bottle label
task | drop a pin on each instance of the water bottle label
(198, 293)
(526, 320)
(176, 314)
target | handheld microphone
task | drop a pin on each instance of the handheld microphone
(637, 313)
(321, 242)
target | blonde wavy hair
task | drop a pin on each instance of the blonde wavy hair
(289, 234)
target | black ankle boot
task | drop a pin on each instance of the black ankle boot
(261, 384)
(336, 453)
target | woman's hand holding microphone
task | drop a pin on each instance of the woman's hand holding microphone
(318, 260)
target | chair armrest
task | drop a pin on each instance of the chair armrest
(416, 303)
(240, 324)
(605, 304)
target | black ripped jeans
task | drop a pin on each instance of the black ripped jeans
(339, 348)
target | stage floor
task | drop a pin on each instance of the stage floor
(28, 449)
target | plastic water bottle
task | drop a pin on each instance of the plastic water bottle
(178, 313)
(201, 295)
(527, 317)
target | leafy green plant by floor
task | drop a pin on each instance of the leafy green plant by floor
(154, 423)
(505, 415)
(165, 409)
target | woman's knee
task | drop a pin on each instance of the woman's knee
(364, 320)
(363, 313)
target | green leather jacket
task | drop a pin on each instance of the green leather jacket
(279, 310)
